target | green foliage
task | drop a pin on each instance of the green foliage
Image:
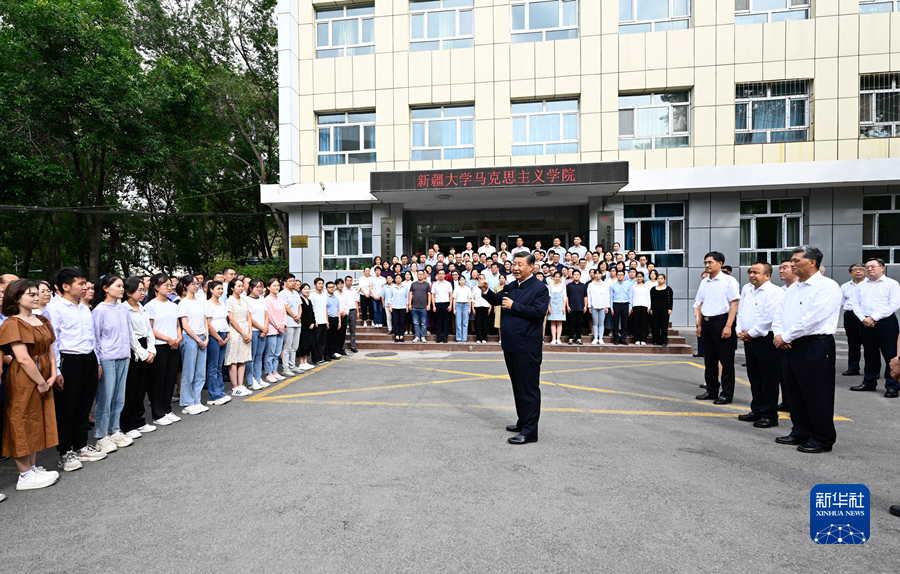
(256, 268)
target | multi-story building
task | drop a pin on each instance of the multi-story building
(748, 127)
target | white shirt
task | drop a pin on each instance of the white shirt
(787, 286)
(347, 300)
(378, 285)
(579, 249)
(877, 299)
(320, 307)
(442, 291)
(487, 250)
(462, 294)
(561, 250)
(164, 317)
(643, 270)
(73, 326)
(195, 311)
(809, 307)
(518, 249)
(365, 286)
(598, 294)
(640, 295)
(469, 252)
(757, 308)
(291, 300)
(848, 292)
(478, 296)
(218, 315)
(718, 294)
(257, 309)
(140, 328)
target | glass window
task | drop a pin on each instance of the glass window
(653, 15)
(772, 112)
(545, 127)
(446, 132)
(654, 121)
(346, 31)
(881, 227)
(874, 6)
(346, 137)
(770, 228)
(346, 240)
(540, 20)
(657, 231)
(879, 105)
(755, 11)
(440, 24)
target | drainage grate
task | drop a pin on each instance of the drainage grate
(382, 354)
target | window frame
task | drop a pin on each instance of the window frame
(789, 99)
(637, 221)
(360, 29)
(894, 4)
(753, 252)
(362, 137)
(671, 105)
(873, 248)
(443, 117)
(519, 36)
(440, 40)
(863, 93)
(740, 15)
(361, 237)
(635, 26)
(544, 112)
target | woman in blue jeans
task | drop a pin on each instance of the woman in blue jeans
(192, 316)
(462, 301)
(217, 329)
(259, 322)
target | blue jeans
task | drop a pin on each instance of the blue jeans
(110, 397)
(378, 304)
(599, 317)
(273, 352)
(215, 356)
(254, 367)
(419, 316)
(193, 371)
(462, 321)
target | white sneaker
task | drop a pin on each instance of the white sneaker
(90, 454)
(191, 410)
(256, 385)
(69, 462)
(297, 370)
(120, 440)
(163, 422)
(286, 374)
(133, 434)
(305, 367)
(271, 378)
(146, 428)
(35, 480)
(221, 401)
(203, 408)
(241, 391)
(41, 470)
(107, 445)
(173, 417)
(2, 497)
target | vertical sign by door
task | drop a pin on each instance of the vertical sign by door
(606, 229)
(388, 238)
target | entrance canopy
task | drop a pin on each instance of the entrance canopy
(507, 186)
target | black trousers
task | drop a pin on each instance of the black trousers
(161, 384)
(73, 403)
(332, 342)
(620, 321)
(342, 334)
(366, 309)
(880, 341)
(659, 325)
(442, 321)
(132, 416)
(764, 372)
(398, 321)
(808, 371)
(320, 335)
(525, 374)
(576, 320)
(718, 350)
(481, 323)
(640, 316)
(854, 340)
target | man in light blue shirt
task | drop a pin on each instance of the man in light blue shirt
(493, 278)
(333, 307)
(620, 297)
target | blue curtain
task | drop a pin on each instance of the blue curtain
(629, 235)
(658, 235)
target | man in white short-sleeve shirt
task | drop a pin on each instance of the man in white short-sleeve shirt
(718, 300)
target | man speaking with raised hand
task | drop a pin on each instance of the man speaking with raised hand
(525, 302)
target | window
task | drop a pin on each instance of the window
(447, 132)
(770, 228)
(772, 112)
(441, 24)
(346, 240)
(545, 127)
(654, 121)
(346, 31)
(539, 20)
(346, 137)
(754, 11)
(881, 227)
(872, 6)
(653, 15)
(657, 231)
(879, 105)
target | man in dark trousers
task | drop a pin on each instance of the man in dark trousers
(525, 303)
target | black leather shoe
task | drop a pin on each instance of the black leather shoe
(863, 387)
(895, 510)
(571, 341)
(891, 393)
(851, 373)
(749, 417)
(513, 428)
(766, 423)
(783, 407)
(789, 440)
(697, 355)
(353, 350)
(703, 386)
(707, 396)
(813, 448)
(722, 401)
(521, 439)
(342, 353)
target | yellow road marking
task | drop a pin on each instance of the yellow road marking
(260, 395)
(386, 387)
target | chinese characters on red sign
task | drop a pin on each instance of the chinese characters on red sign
(496, 177)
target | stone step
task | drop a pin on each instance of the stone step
(495, 348)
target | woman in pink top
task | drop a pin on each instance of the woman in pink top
(275, 333)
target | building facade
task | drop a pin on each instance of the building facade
(745, 126)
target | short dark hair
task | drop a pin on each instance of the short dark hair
(767, 268)
(495, 264)
(860, 265)
(620, 271)
(641, 273)
(529, 258)
(338, 281)
(132, 284)
(718, 257)
(329, 283)
(727, 269)
(783, 261)
(810, 252)
(67, 276)
(14, 293)
(878, 260)
(576, 271)
(226, 270)
(317, 279)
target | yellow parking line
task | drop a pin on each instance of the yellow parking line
(386, 387)
(262, 394)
